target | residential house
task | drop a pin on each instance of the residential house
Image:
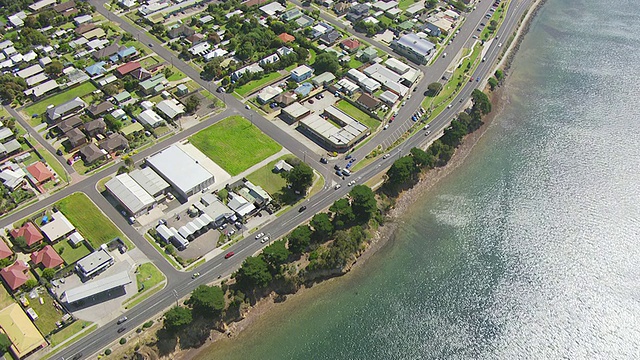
(122, 97)
(431, 29)
(68, 124)
(60, 112)
(82, 19)
(140, 74)
(286, 37)
(253, 68)
(304, 21)
(200, 49)
(125, 69)
(40, 172)
(115, 142)
(267, 93)
(64, 7)
(291, 15)
(153, 85)
(23, 334)
(368, 54)
(12, 175)
(195, 39)
(304, 89)
(150, 118)
(91, 153)
(357, 12)
(350, 45)
(103, 107)
(323, 79)
(341, 8)
(273, 58)
(96, 69)
(330, 37)
(368, 102)
(180, 31)
(272, 9)
(29, 232)
(76, 138)
(106, 52)
(126, 53)
(182, 90)
(15, 275)
(48, 258)
(95, 127)
(5, 251)
(301, 73)
(170, 108)
(84, 28)
(286, 99)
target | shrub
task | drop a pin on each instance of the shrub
(147, 324)
(107, 352)
(123, 341)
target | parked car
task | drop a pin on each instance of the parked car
(247, 107)
(229, 254)
(238, 225)
(337, 167)
(385, 127)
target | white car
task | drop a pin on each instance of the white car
(385, 127)
(337, 186)
(259, 236)
(500, 45)
(386, 156)
(426, 127)
(247, 107)
(264, 239)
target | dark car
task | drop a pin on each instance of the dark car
(77, 356)
(229, 254)
(59, 152)
(323, 160)
(150, 45)
(337, 167)
(121, 330)
(348, 157)
(339, 172)
(302, 208)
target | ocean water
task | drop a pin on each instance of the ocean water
(530, 249)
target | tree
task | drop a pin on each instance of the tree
(299, 178)
(499, 74)
(112, 123)
(493, 82)
(30, 284)
(193, 102)
(322, 227)
(48, 273)
(363, 202)
(207, 299)
(421, 158)
(254, 273)
(430, 4)
(21, 242)
(401, 171)
(342, 213)
(177, 317)
(326, 62)
(5, 343)
(434, 88)
(54, 69)
(299, 239)
(275, 255)
(158, 30)
(481, 102)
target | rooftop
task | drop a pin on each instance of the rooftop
(182, 170)
(24, 336)
(96, 287)
(129, 193)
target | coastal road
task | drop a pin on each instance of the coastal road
(181, 284)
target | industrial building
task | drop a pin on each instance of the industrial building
(335, 138)
(183, 172)
(294, 112)
(130, 194)
(151, 182)
(96, 287)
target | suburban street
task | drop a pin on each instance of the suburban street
(180, 284)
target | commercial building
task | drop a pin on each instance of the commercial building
(294, 112)
(334, 138)
(130, 194)
(171, 236)
(94, 263)
(414, 48)
(150, 181)
(96, 287)
(171, 108)
(24, 336)
(301, 73)
(180, 170)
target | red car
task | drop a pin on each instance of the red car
(229, 254)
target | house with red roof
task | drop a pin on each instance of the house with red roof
(48, 257)
(128, 67)
(286, 37)
(40, 172)
(30, 233)
(15, 275)
(350, 45)
(5, 251)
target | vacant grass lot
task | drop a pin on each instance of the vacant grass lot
(48, 315)
(148, 276)
(5, 298)
(256, 84)
(358, 114)
(88, 219)
(79, 91)
(69, 331)
(70, 254)
(270, 181)
(234, 144)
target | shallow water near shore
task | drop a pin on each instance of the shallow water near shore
(528, 250)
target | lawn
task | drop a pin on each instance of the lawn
(312, 56)
(498, 16)
(148, 61)
(5, 298)
(256, 84)
(69, 331)
(269, 180)
(148, 276)
(70, 254)
(358, 114)
(405, 4)
(88, 219)
(4, 113)
(234, 144)
(78, 91)
(48, 315)
(177, 75)
(354, 64)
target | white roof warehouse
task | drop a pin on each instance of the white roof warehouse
(130, 194)
(180, 170)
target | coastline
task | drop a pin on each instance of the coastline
(386, 233)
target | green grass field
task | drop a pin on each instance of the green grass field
(358, 114)
(234, 144)
(177, 75)
(79, 91)
(48, 315)
(55, 165)
(256, 84)
(312, 56)
(354, 64)
(148, 276)
(88, 219)
(69, 331)
(69, 254)
(265, 177)
(405, 4)
(5, 298)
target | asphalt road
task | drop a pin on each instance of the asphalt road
(180, 284)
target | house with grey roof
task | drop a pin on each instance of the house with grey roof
(60, 112)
